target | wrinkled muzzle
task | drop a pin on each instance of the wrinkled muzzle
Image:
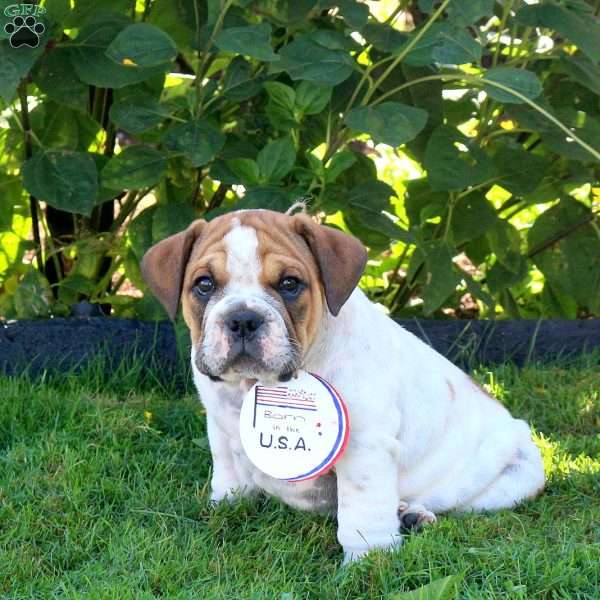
(246, 337)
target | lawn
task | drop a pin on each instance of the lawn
(104, 494)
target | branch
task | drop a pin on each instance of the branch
(562, 234)
(33, 203)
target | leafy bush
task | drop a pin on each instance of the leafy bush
(459, 140)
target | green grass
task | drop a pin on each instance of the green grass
(104, 489)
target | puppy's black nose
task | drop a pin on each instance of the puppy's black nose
(243, 324)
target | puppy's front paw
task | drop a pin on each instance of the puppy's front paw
(222, 495)
(414, 516)
(351, 556)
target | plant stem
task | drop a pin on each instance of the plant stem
(33, 203)
(451, 202)
(505, 13)
(218, 197)
(409, 46)
(206, 59)
(479, 81)
(499, 132)
(127, 206)
(53, 255)
(407, 84)
(595, 153)
(563, 234)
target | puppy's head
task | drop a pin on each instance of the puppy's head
(254, 287)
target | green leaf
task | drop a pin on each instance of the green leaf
(55, 126)
(456, 47)
(557, 303)
(455, 162)
(55, 77)
(443, 43)
(583, 70)
(240, 83)
(366, 202)
(281, 94)
(104, 193)
(586, 127)
(422, 203)
(254, 41)
(312, 98)
(392, 123)
(354, 13)
(520, 172)
(505, 242)
(466, 13)
(572, 263)
(139, 232)
(499, 278)
(441, 589)
(33, 296)
(305, 59)
(384, 37)
(246, 169)
(89, 61)
(137, 113)
(171, 218)
(11, 191)
(83, 12)
(442, 278)
(267, 197)
(15, 63)
(199, 141)
(280, 108)
(367, 233)
(522, 81)
(280, 117)
(177, 19)
(584, 32)
(143, 45)
(333, 40)
(276, 159)
(64, 179)
(134, 168)
(339, 163)
(471, 217)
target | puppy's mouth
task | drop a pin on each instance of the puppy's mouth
(245, 361)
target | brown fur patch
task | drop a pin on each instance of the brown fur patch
(451, 390)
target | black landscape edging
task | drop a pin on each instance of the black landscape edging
(62, 344)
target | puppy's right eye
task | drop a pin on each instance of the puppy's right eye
(204, 286)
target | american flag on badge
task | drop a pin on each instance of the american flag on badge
(280, 397)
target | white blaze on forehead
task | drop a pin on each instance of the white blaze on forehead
(243, 264)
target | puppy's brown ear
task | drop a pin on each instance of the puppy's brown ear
(163, 266)
(340, 257)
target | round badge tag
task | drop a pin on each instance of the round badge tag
(295, 430)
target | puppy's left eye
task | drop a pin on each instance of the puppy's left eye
(290, 286)
(204, 286)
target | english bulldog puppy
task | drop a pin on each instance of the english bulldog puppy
(265, 294)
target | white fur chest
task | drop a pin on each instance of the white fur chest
(223, 403)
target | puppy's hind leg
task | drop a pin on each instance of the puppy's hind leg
(520, 479)
(414, 516)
